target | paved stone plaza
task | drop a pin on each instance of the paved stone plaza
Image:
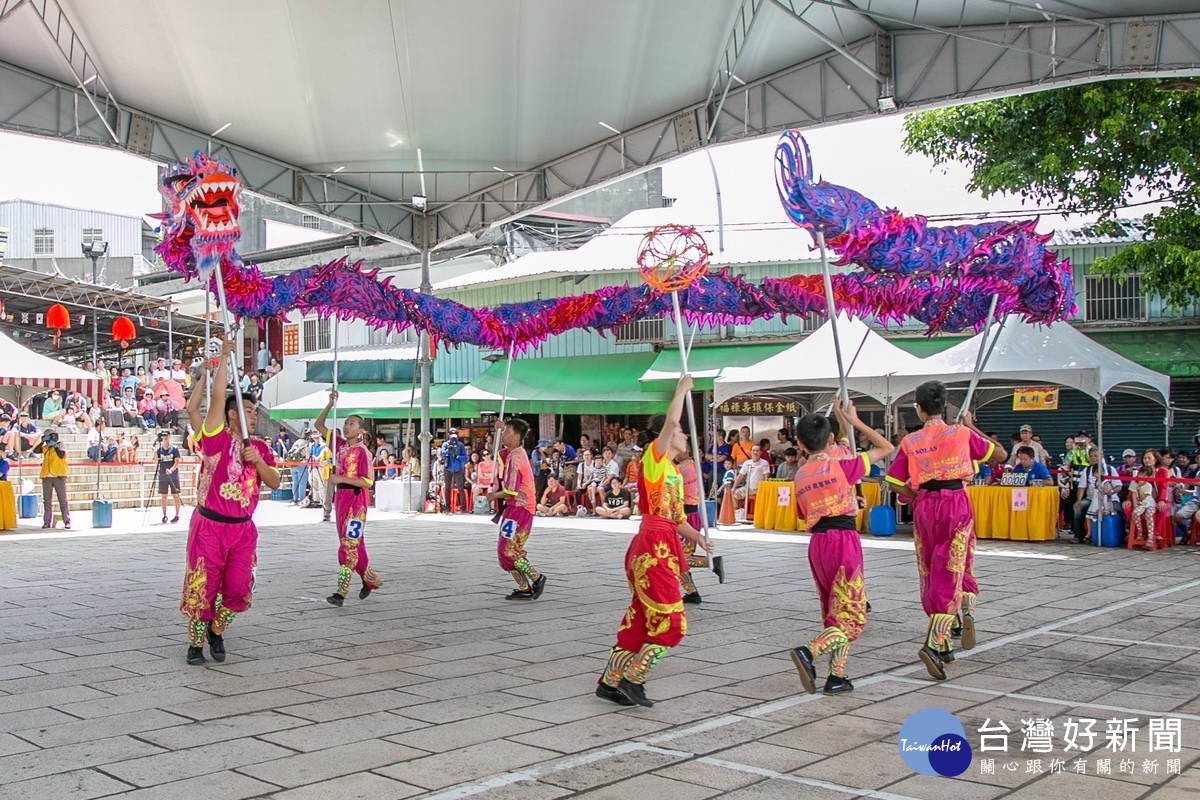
(437, 687)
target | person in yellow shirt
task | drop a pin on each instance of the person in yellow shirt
(54, 478)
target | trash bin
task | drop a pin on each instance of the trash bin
(28, 506)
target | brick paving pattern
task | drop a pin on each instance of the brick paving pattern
(437, 687)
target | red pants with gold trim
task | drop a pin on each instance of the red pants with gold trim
(836, 561)
(944, 529)
(221, 560)
(652, 565)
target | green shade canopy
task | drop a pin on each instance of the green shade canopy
(705, 363)
(605, 384)
(372, 401)
(1172, 352)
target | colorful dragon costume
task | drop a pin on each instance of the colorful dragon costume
(943, 277)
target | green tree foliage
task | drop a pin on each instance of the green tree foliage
(1090, 148)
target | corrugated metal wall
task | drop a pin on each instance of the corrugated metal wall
(1129, 421)
(123, 234)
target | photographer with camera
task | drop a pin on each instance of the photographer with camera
(54, 478)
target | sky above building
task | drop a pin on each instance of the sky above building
(865, 155)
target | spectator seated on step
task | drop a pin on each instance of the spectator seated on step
(615, 502)
(23, 436)
(554, 499)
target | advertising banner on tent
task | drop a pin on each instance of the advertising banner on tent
(757, 406)
(1036, 399)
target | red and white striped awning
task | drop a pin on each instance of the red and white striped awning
(33, 372)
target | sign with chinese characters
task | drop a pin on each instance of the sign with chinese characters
(291, 340)
(1020, 499)
(758, 407)
(783, 495)
(1039, 399)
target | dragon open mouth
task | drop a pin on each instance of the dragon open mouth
(214, 205)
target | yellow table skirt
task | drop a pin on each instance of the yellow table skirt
(775, 506)
(995, 519)
(8, 507)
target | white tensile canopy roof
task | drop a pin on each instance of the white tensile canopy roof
(874, 366)
(1032, 355)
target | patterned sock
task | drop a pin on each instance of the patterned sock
(343, 585)
(837, 660)
(222, 619)
(644, 661)
(968, 604)
(530, 572)
(686, 583)
(196, 629)
(618, 663)
(939, 631)
(519, 577)
(829, 639)
(370, 579)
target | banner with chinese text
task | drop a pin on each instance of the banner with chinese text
(744, 406)
(1037, 399)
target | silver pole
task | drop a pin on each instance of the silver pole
(507, 372)
(333, 411)
(720, 212)
(207, 336)
(981, 358)
(426, 435)
(831, 311)
(170, 336)
(691, 411)
(233, 378)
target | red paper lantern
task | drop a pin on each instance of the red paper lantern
(58, 319)
(123, 331)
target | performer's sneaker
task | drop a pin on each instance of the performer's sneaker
(175, 519)
(612, 693)
(195, 656)
(836, 685)
(692, 598)
(539, 586)
(947, 656)
(803, 659)
(520, 594)
(364, 592)
(968, 632)
(868, 606)
(635, 692)
(335, 600)
(216, 646)
(933, 663)
(956, 632)
(164, 522)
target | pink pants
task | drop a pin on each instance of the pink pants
(836, 561)
(221, 560)
(350, 511)
(944, 531)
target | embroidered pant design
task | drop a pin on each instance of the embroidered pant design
(515, 526)
(219, 579)
(943, 528)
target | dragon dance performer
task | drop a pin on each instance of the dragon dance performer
(222, 538)
(654, 621)
(691, 507)
(825, 499)
(350, 483)
(929, 470)
(516, 516)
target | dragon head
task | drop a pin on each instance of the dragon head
(200, 217)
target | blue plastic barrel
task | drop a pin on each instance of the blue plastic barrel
(101, 514)
(1110, 531)
(710, 510)
(27, 506)
(881, 521)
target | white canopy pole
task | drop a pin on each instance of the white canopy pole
(985, 352)
(831, 311)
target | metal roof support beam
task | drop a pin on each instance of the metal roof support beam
(790, 7)
(8, 7)
(83, 67)
(727, 66)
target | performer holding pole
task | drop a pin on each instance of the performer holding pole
(516, 516)
(825, 499)
(330, 434)
(929, 469)
(222, 539)
(351, 483)
(654, 621)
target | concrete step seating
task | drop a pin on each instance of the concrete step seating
(124, 485)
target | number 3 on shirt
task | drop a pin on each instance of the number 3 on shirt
(508, 528)
(354, 529)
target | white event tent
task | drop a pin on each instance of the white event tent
(875, 367)
(30, 372)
